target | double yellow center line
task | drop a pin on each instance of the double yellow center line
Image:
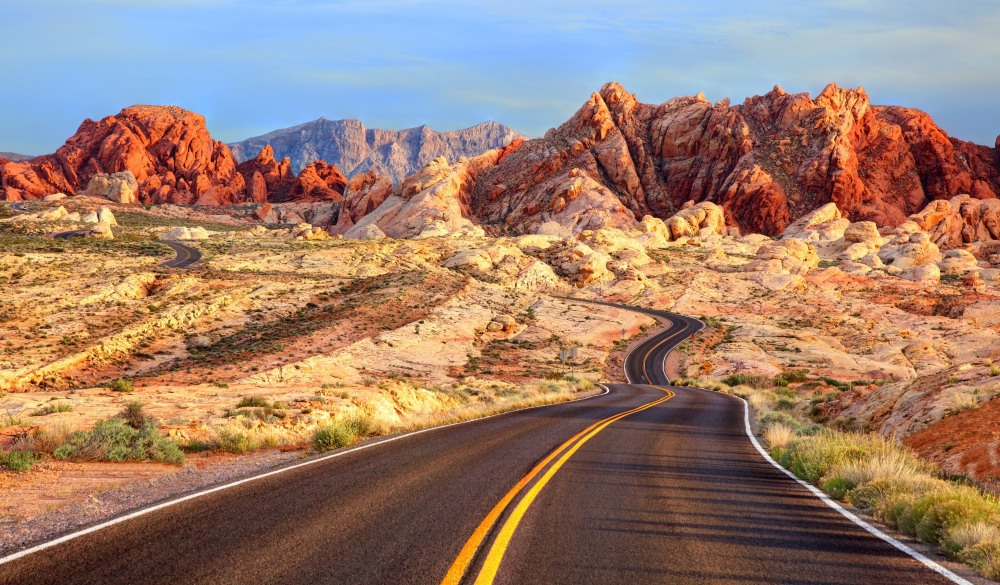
(495, 555)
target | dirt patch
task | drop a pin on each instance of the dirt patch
(58, 496)
(966, 443)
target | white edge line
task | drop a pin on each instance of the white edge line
(167, 504)
(930, 564)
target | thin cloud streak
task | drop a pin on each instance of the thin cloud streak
(263, 65)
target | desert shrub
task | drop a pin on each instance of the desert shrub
(360, 424)
(18, 461)
(114, 439)
(120, 385)
(253, 402)
(995, 370)
(751, 380)
(134, 415)
(232, 439)
(780, 418)
(790, 376)
(332, 436)
(876, 474)
(785, 403)
(53, 408)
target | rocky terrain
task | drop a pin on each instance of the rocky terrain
(870, 303)
(767, 163)
(356, 149)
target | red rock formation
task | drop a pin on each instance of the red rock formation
(267, 178)
(318, 181)
(766, 162)
(364, 193)
(270, 180)
(168, 149)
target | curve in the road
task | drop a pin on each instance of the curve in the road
(665, 492)
(69, 234)
(186, 256)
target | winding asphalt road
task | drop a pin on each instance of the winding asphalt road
(69, 234)
(643, 484)
(186, 255)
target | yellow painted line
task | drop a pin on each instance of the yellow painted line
(492, 563)
(465, 556)
(645, 358)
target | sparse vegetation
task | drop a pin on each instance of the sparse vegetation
(18, 461)
(53, 408)
(120, 385)
(875, 474)
(114, 439)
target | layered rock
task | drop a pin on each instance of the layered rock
(961, 220)
(167, 149)
(431, 203)
(766, 162)
(357, 150)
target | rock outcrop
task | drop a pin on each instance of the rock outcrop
(167, 149)
(118, 187)
(358, 150)
(431, 203)
(766, 162)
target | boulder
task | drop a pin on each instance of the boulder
(105, 215)
(958, 262)
(101, 231)
(368, 232)
(787, 257)
(824, 224)
(693, 220)
(53, 214)
(907, 250)
(119, 187)
(924, 274)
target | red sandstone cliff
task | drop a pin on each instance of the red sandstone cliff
(174, 160)
(767, 161)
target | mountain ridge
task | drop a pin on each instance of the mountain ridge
(357, 149)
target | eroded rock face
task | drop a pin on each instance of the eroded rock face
(266, 177)
(766, 162)
(431, 203)
(167, 149)
(961, 220)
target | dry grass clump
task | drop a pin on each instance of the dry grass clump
(242, 434)
(876, 474)
(779, 436)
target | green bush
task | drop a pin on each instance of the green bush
(790, 376)
(773, 418)
(253, 402)
(233, 440)
(114, 439)
(332, 436)
(18, 461)
(53, 408)
(751, 380)
(120, 385)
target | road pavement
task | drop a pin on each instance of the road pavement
(643, 484)
(186, 255)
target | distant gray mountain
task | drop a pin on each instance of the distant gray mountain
(15, 157)
(356, 149)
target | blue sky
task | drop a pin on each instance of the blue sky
(251, 66)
